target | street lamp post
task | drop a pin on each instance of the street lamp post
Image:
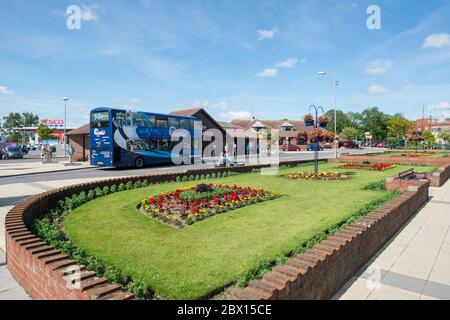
(316, 143)
(65, 125)
(335, 84)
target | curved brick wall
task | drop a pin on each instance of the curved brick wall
(42, 270)
(321, 271)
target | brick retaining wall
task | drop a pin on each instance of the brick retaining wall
(436, 179)
(323, 270)
(42, 270)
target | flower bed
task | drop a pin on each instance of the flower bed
(368, 166)
(329, 175)
(186, 206)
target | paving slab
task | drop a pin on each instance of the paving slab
(416, 261)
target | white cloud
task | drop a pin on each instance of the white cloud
(289, 63)
(6, 90)
(443, 105)
(267, 34)
(231, 115)
(269, 72)
(379, 66)
(437, 40)
(377, 89)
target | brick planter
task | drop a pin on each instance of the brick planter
(42, 270)
(436, 179)
(321, 271)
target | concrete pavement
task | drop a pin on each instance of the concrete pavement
(9, 288)
(415, 264)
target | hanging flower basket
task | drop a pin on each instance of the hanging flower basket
(316, 136)
(309, 120)
(323, 121)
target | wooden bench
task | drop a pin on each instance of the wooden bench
(411, 175)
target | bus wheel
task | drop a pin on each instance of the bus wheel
(139, 163)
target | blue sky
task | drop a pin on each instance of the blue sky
(236, 58)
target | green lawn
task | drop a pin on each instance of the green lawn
(193, 262)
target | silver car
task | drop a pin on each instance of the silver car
(12, 153)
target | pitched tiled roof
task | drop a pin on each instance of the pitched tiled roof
(299, 125)
(81, 130)
(186, 112)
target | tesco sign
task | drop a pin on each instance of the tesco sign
(53, 123)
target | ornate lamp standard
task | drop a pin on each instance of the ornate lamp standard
(315, 141)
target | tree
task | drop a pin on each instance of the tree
(444, 135)
(13, 120)
(342, 120)
(30, 119)
(398, 128)
(373, 120)
(44, 132)
(429, 139)
(349, 133)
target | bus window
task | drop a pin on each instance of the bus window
(120, 118)
(184, 124)
(127, 120)
(161, 122)
(164, 144)
(100, 119)
(151, 122)
(139, 120)
(174, 122)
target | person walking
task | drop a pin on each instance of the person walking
(49, 153)
(70, 152)
(43, 154)
(235, 149)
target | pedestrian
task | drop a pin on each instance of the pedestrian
(43, 155)
(70, 152)
(49, 154)
(234, 149)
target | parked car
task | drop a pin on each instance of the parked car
(291, 147)
(12, 153)
(348, 144)
(382, 145)
(314, 147)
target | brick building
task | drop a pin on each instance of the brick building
(79, 140)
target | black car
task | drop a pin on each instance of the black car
(12, 153)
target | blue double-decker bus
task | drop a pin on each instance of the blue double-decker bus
(123, 139)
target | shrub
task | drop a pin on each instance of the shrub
(184, 179)
(208, 176)
(144, 183)
(178, 179)
(113, 188)
(191, 178)
(137, 184)
(197, 177)
(105, 190)
(219, 175)
(202, 177)
(213, 175)
(376, 186)
(90, 195)
(224, 174)
(122, 187)
(98, 192)
(129, 185)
